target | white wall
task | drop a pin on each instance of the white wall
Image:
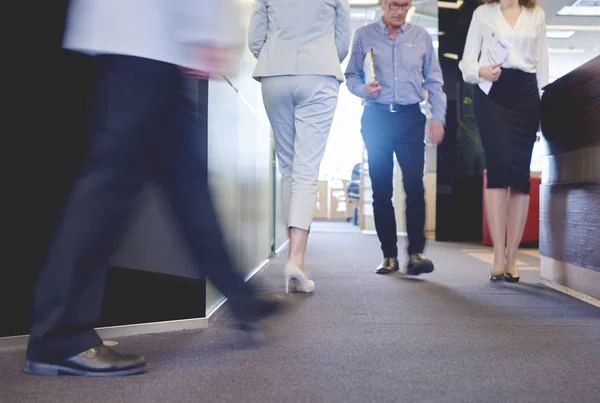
(240, 167)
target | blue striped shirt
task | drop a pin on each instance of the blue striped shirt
(404, 67)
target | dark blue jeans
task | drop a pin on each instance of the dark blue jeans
(402, 133)
(144, 127)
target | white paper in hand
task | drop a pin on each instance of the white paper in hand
(369, 68)
(496, 52)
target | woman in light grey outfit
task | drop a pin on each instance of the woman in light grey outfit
(299, 45)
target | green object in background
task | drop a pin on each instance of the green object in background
(469, 120)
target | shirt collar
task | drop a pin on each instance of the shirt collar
(385, 29)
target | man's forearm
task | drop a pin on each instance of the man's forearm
(437, 100)
(356, 86)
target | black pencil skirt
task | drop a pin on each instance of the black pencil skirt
(508, 120)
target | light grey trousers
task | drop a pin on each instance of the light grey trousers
(300, 110)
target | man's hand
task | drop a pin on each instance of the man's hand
(491, 73)
(213, 61)
(435, 132)
(373, 90)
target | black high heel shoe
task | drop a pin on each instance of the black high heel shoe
(498, 277)
(509, 278)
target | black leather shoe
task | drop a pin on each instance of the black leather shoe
(388, 266)
(98, 361)
(266, 305)
(509, 278)
(269, 304)
(418, 264)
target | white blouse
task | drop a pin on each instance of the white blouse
(527, 41)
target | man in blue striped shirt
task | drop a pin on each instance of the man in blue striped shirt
(392, 122)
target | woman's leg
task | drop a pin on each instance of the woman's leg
(298, 241)
(521, 145)
(316, 100)
(518, 205)
(496, 201)
(280, 108)
(490, 124)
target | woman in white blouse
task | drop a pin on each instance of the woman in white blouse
(506, 55)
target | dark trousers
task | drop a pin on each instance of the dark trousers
(402, 133)
(143, 128)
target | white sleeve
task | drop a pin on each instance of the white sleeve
(214, 22)
(542, 66)
(469, 65)
(259, 26)
(343, 29)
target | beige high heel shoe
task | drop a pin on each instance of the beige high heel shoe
(298, 278)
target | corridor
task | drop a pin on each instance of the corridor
(446, 337)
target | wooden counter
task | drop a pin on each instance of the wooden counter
(570, 191)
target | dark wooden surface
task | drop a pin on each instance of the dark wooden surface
(570, 196)
(571, 109)
(570, 223)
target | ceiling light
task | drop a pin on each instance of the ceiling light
(450, 4)
(582, 8)
(560, 34)
(410, 13)
(566, 50)
(452, 56)
(434, 32)
(362, 15)
(364, 3)
(593, 11)
(573, 27)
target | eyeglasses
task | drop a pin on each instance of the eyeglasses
(398, 6)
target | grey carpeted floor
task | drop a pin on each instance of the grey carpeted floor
(450, 336)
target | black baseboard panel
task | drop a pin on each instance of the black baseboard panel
(137, 296)
(133, 297)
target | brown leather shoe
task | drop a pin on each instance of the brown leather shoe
(418, 264)
(388, 266)
(98, 361)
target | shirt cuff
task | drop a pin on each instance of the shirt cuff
(440, 119)
(359, 91)
(472, 75)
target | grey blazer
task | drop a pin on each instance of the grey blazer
(299, 37)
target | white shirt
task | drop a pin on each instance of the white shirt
(527, 41)
(154, 29)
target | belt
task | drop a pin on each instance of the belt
(393, 107)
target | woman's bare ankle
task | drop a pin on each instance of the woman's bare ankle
(497, 269)
(511, 263)
(298, 262)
